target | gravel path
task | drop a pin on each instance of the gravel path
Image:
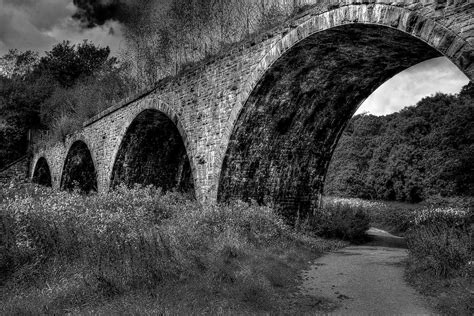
(365, 280)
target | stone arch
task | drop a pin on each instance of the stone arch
(79, 171)
(439, 37)
(153, 151)
(42, 173)
(305, 89)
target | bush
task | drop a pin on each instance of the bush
(339, 220)
(394, 218)
(440, 242)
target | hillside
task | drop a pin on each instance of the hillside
(421, 151)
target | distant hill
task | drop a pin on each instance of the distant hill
(423, 150)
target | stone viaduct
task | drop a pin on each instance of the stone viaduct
(261, 120)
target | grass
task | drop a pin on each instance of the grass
(441, 264)
(139, 251)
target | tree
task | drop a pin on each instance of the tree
(67, 63)
(421, 151)
(70, 84)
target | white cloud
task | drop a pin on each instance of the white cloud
(43, 14)
(16, 31)
(410, 86)
(109, 34)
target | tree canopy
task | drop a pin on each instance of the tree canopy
(57, 91)
(421, 151)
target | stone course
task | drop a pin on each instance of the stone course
(206, 102)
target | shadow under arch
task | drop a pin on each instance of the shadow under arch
(79, 172)
(42, 173)
(153, 152)
(284, 136)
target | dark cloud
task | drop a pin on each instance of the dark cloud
(97, 12)
(93, 13)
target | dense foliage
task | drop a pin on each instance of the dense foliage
(58, 91)
(419, 152)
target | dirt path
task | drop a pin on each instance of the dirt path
(365, 280)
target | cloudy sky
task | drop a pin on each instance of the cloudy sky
(411, 85)
(39, 24)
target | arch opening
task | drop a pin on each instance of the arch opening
(284, 137)
(79, 172)
(42, 174)
(153, 152)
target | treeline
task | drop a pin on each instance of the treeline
(57, 92)
(421, 151)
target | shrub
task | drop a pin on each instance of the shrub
(339, 220)
(440, 241)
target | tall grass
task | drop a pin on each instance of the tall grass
(440, 241)
(136, 240)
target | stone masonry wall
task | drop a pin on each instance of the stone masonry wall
(205, 102)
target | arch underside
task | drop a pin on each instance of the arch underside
(153, 152)
(285, 135)
(79, 172)
(42, 173)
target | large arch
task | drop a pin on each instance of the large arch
(79, 171)
(42, 173)
(152, 151)
(284, 135)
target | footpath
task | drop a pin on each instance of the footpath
(366, 279)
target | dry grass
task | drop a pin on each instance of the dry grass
(138, 251)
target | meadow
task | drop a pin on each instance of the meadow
(142, 251)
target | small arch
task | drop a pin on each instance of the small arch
(79, 171)
(153, 152)
(42, 173)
